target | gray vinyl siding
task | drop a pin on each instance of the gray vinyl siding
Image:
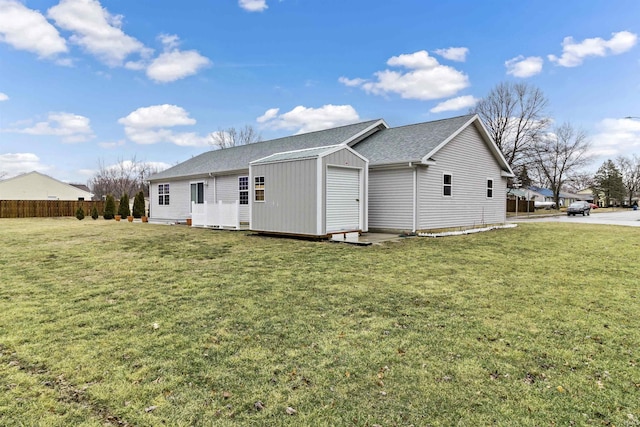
(290, 202)
(391, 199)
(179, 201)
(470, 163)
(227, 191)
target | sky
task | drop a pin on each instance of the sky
(86, 84)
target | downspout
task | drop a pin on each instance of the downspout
(415, 196)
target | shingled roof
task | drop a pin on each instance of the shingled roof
(373, 139)
(409, 143)
(238, 158)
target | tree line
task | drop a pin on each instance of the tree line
(547, 154)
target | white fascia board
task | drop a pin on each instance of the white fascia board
(396, 165)
(446, 141)
(484, 134)
(493, 145)
(266, 160)
(351, 150)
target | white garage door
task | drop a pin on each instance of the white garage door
(343, 199)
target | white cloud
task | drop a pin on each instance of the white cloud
(524, 67)
(351, 82)
(176, 65)
(253, 5)
(305, 119)
(71, 127)
(616, 137)
(151, 125)
(426, 79)
(574, 53)
(27, 29)
(271, 113)
(112, 144)
(171, 65)
(164, 115)
(96, 30)
(3, 97)
(16, 163)
(455, 104)
(453, 53)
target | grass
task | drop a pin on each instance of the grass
(105, 323)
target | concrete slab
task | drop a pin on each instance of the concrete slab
(378, 238)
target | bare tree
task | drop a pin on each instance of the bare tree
(580, 181)
(630, 169)
(225, 138)
(559, 154)
(515, 115)
(126, 176)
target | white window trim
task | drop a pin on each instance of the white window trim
(264, 189)
(248, 190)
(493, 188)
(163, 185)
(204, 191)
(449, 185)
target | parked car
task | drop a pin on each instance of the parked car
(579, 207)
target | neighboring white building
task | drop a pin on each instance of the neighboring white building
(37, 186)
(434, 175)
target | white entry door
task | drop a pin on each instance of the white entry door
(343, 199)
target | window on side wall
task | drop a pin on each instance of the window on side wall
(163, 194)
(197, 192)
(446, 185)
(243, 190)
(259, 188)
(489, 188)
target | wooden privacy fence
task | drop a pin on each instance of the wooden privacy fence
(522, 206)
(47, 208)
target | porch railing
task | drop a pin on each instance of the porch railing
(222, 215)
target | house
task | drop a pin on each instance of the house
(435, 175)
(544, 197)
(38, 186)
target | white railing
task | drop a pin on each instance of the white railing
(216, 214)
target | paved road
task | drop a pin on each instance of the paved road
(626, 217)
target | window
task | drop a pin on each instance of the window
(197, 192)
(446, 185)
(243, 189)
(489, 188)
(163, 194)
(259, 188)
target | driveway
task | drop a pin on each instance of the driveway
(626, 217)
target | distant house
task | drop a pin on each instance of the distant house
(38, 186)
(434, 175)
(544, 198)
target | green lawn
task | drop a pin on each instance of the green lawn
(105, 323)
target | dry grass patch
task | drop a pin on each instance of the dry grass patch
(139, 324)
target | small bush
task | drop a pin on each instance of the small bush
(123, 208)
(138, 205)
(80, 213)
(94, 213)
(109, 207)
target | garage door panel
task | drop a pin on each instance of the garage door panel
(343, 199)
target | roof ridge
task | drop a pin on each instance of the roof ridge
(282, 138)
(432, 121)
